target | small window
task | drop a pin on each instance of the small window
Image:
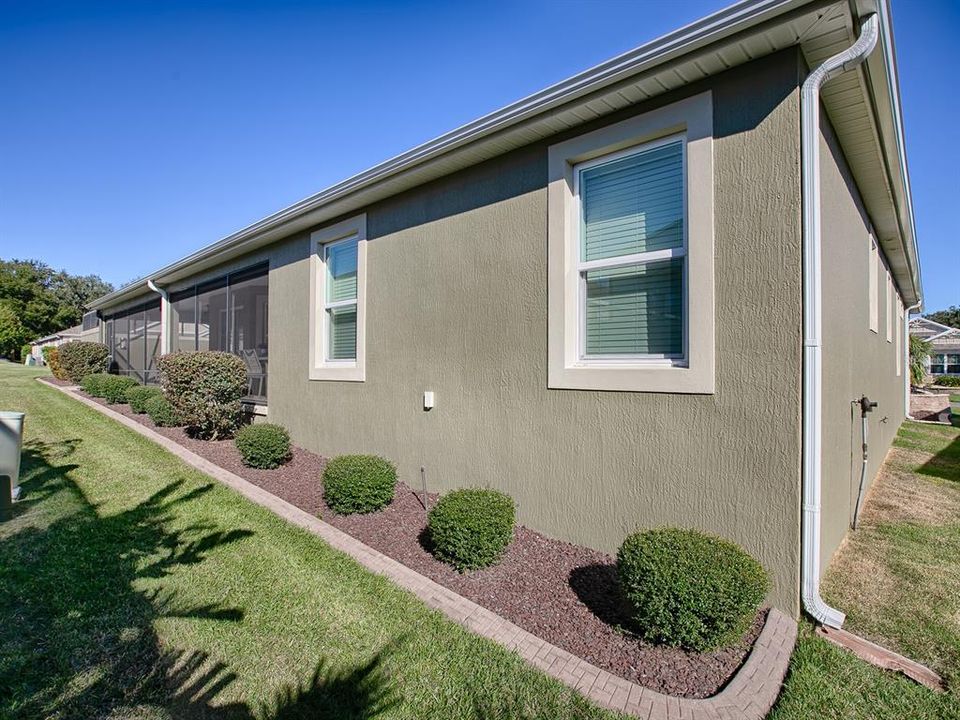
(953, 364)
(938, 364)
(340, 258)
(337, 313)
(874, 290)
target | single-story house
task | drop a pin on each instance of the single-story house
(54, 340)
(648, 295)
(944, 358)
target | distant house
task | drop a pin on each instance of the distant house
(54, 340)
(606, 299)
(945, 346)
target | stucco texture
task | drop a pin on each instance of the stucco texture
(457, 304)
(856, 360)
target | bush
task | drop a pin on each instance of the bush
(137, 397)
(690, 589)
(25, 350)
(161, 412)
(51, 356)
(79, 359)
(948, 381)
(205, 389)
(263, 445)
(358, 483)
(115, 387)
(94, 384)
(471, 528)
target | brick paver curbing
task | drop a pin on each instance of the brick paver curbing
(749, 695)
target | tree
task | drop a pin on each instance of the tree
(919, 352)
(950, 316)
(13, 334)
(45, 300)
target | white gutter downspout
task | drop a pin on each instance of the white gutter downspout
(812, 316)
(164, 316)
(906, 358)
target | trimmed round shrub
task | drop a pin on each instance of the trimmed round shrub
(263, 445)
(471, 528)
(114, 388)
(358, 483)
(137, 397)
(79, 359)
(690, 589)
(161, 412)
(94, 384)
(205, 389)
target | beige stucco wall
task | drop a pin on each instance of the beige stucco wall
(856, 360)
(457, 304)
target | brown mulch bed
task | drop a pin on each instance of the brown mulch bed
(57, 381)
(563, 593)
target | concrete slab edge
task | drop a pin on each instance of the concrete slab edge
(749, 695)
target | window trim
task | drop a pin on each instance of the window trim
(320, 368)
(889, 308)
(691, 118)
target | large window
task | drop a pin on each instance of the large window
(632, 253)
(133, 337)
(337, 308)
(630, 243)
(229, 314)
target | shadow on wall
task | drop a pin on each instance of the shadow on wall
(77, 636)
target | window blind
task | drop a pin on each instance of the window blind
(634, 204)
(343, 333)
(629, 207)
(342, 268)
(635, 309)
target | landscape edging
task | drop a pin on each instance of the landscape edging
(749, 695)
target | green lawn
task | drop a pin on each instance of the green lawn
(134, 587)
(898, 580)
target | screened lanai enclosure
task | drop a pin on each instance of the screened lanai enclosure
(229, 313)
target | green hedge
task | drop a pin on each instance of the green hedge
(690, 589)
(137, 397)
(263, 445)
(948, 381)
(95, 383)
(115, 387)
(471, 528)
(162, 412)
(358, 483)
(79, 359)
(205, 389)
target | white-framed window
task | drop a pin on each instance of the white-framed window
(338, 264)
(874, 259)
(631, 254)
(891, 295)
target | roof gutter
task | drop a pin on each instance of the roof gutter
(848, 59)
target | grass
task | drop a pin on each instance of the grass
(132, 586)
(898, 580)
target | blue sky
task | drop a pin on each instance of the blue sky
(133, 133)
